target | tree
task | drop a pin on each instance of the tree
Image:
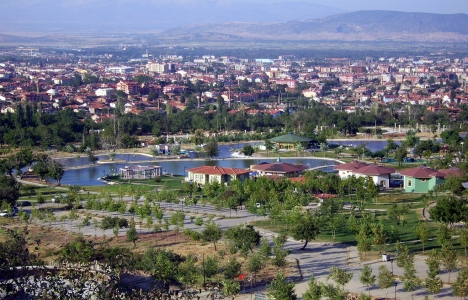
(449, 258)
(400, 154)
(449, 210)
(247, 150)
(464, 238)
(230, 288)
(55, 171)
(242, 238)
(306, 229)
(188, 271)
(212, 149)
(212, 233)
(161, 263)
(385, 279)
(340, 276)
(198, 137)
(423, 233)
(279, 259)
(232, 269)
(132, 235)
(397, 211)
(255, 264)
(9, 190)
(280, 289)
(410, 281)
(210, 266)
(460, 286)
(433, 283)
(314, 290)
(366, 277)
(379, 234)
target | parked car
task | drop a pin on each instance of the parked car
(23, 203)
(6, 213)
(59, 198)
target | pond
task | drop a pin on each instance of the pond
(90, 175)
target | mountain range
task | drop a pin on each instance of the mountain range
(354, 26)
(220, 20)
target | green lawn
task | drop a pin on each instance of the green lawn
(168, 182)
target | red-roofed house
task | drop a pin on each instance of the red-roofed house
(379, 174)
(204, 174)
(279, 169)
(422, 179)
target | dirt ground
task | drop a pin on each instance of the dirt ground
(45, 242)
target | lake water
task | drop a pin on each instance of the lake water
(89, 175)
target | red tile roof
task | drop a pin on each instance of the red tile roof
(279, 167)
(452, 171)
(373, 170)
(215, 170)
(422, 172)
(352, 166)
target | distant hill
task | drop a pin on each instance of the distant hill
(354, 26)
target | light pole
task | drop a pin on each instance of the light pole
(395, 284)
(391, 261)
(461, 150)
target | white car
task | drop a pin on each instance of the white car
(59, 198)
(6, 213)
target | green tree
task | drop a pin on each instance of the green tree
(212, 233)
(188, 271)
(212, 149)
(243, 238)
(230, 288)
(433, 283)
(449, 210)
(306, 229)
(232, 269)
(161, 263)
(279, 259)
(423, 233)
(247, 150)
(340, 276)
(463, 238)
(366, 277)
(210, 266)
(449, 258)
(460, 286)
(314, 290)
(385, 279)
(9, 190)
(280, 289)
(255, 264)
(410, 281)
(132, 235)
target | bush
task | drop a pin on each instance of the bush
(112, 222)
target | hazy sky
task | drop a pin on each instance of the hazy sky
(431, 6)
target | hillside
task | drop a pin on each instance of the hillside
(355, 26)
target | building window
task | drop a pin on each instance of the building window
(409, 182)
